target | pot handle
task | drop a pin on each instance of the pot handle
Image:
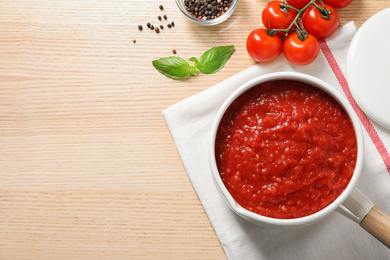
(375, 221)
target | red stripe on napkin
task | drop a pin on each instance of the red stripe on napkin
(362, 116)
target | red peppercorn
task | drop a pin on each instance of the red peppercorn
(199, 17)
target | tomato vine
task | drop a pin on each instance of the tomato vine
(304, 20)
(302, 34)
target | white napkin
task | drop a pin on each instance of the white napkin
(335, 237)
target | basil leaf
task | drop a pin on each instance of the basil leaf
(193, 69)
(173, 67)
(193, 59)
(214, 59)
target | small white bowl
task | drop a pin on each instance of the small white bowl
(303, 221)
(218, 20)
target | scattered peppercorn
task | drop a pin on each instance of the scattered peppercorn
(160, 18)
(174, 51)
(134, 41)
(207, 9)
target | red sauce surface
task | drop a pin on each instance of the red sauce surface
(285, 149)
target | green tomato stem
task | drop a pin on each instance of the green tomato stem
(302, 34)
(324, 12)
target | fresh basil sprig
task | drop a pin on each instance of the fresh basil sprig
(209, 63)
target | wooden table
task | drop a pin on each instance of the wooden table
(88, 167)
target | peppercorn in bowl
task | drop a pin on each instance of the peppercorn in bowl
(207, 12)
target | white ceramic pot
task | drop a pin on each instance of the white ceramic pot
(351, 202)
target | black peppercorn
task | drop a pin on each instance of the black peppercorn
(169, 25)
(140, 27)
(165, 17)
(157, 30)
(173, 24)
(161, 7)
(159, 18)
(207, 9)
(161, 27)
(148, 25)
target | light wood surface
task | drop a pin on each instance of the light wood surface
(88, 167)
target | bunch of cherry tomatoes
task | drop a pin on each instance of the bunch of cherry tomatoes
(282, 31)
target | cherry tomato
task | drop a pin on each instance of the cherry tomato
(338, 3)
(301, 52)
(262, 47)
(274, 18)
(317, 25)
(298, 4)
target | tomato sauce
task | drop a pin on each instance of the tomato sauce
(285, 149)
